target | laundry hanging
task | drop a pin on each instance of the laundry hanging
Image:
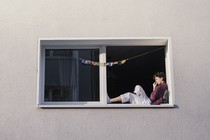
(94, 63)
(89, 62)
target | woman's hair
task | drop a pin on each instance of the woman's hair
(160, 75)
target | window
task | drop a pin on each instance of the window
(66, 79)
(63, 81)
(121, 79)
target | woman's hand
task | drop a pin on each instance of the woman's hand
(154, 86)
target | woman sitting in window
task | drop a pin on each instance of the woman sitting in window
(139, 96)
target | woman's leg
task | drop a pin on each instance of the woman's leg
(143, 96)
(138, 90)
(116, 99)
(126, 97)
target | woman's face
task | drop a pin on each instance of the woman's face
(159, 80)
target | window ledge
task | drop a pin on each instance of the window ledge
(108, 106)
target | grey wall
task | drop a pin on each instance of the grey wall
(22, 22)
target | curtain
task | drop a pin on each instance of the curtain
(66, 79)
(75, 76)
(69, 75)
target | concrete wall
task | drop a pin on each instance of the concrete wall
(22, 22)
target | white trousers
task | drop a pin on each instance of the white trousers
(137, 97)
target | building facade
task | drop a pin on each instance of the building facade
(24, 22)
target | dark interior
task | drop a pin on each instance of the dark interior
(136, 71)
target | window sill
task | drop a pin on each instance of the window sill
(107, 106)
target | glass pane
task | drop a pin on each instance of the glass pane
(67, 79)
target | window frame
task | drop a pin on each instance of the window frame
(100, 43)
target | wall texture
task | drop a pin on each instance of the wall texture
(22, 22)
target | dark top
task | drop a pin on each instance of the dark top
(157, 96)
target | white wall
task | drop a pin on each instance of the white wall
(22, 22)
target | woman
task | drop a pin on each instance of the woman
(139, 96)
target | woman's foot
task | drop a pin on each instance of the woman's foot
(108, 99)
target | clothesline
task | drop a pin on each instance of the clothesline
(94, 63)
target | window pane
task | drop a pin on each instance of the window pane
(66, 79)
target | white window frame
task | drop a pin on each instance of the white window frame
(101, 43)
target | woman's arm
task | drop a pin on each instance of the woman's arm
(154, 86)
(155, 92)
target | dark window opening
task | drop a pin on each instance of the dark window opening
(137, 71)
(66, 79)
